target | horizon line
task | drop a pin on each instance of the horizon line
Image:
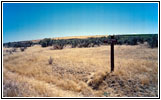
(81, 36)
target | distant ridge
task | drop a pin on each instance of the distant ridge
(73, 37)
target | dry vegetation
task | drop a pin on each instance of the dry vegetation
(81, 72)
(80, 37)
(75, 37)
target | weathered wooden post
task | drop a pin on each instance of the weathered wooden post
(112, 41)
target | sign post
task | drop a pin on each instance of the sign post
(112, 41)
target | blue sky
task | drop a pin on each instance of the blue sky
(28, 21)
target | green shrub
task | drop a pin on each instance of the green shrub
(132, 41)
(46, 42)
(153, 41)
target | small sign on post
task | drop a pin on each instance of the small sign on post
(112, 41)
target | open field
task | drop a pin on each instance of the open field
(81, 72)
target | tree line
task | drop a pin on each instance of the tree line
(151, 39)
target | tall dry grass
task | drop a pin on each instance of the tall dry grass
(78, 72)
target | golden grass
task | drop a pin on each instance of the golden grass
(73, 69)
(81, 37)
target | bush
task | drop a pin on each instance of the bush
(50, 60)
(14, 50)
(18, 44)
(55, 47)
(141, 39)
(153, 41)
(46, 42)
(132, 41)
(10, 52)
(23, 48)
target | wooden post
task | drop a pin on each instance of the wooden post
(112, 41)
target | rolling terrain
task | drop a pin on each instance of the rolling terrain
(81, 72)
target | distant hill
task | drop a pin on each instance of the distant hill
(74, 37)
(89, 41)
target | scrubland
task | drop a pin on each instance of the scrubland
(74, 37)
(81, 72)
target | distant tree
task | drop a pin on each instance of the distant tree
(46, 42)
(153, 41)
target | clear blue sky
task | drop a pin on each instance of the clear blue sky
(28, 21)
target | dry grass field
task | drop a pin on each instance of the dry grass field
(81, 72)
